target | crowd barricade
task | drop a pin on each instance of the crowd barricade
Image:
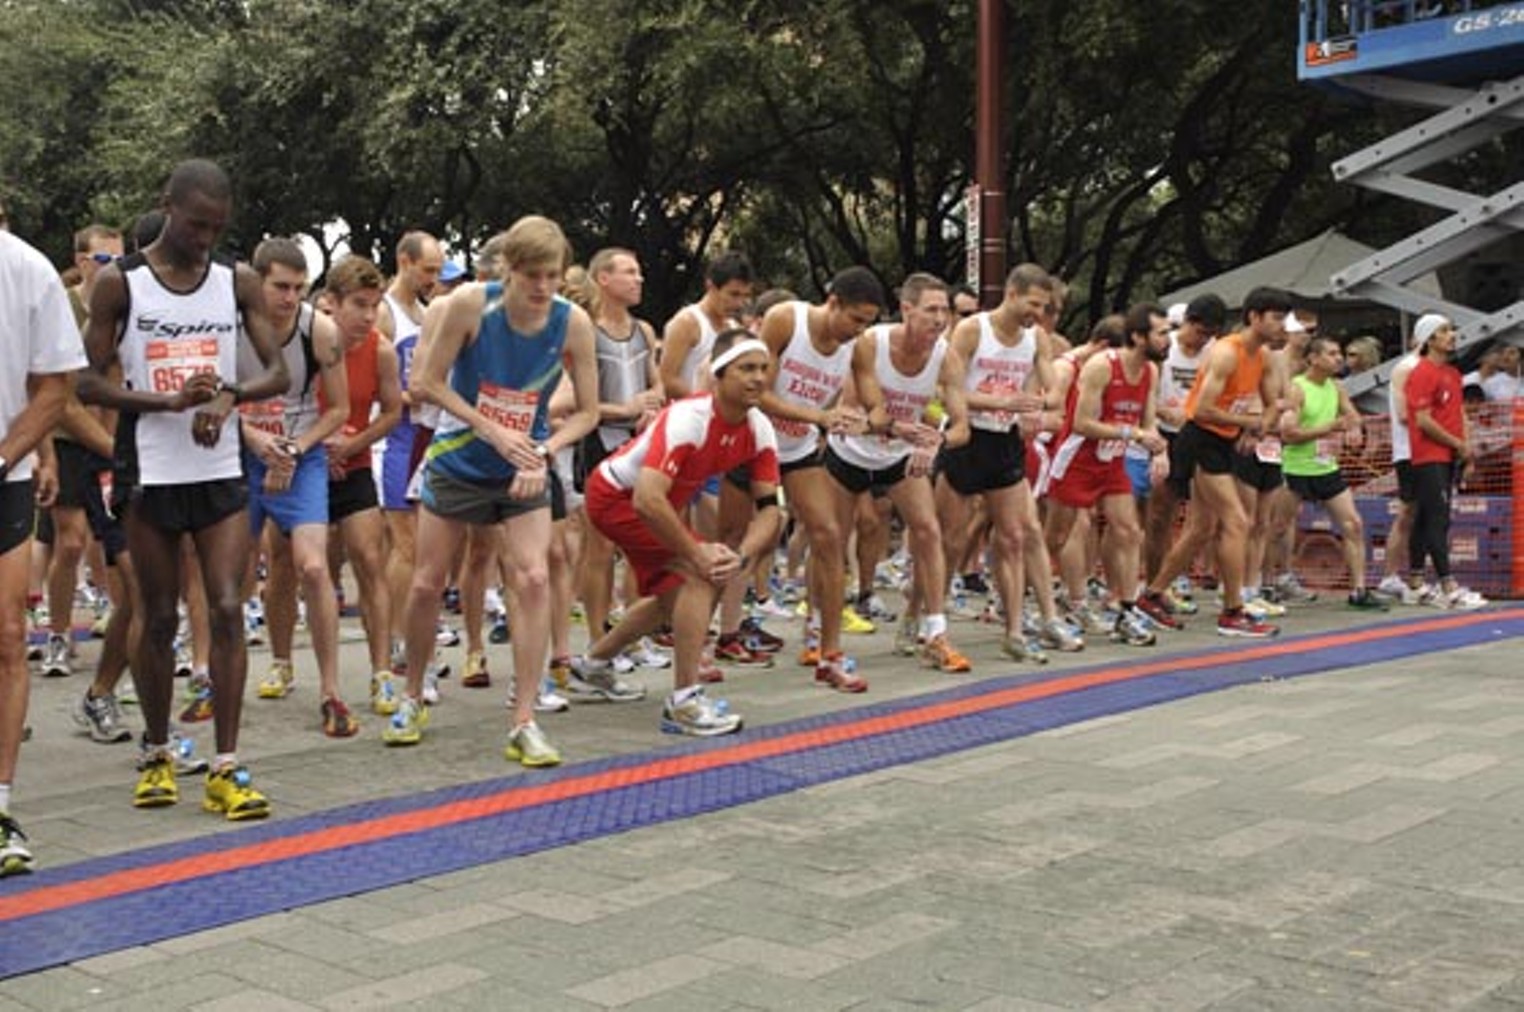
(1486, 544)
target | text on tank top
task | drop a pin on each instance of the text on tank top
(1240, 393)
(1177, 375)
(296, 411)
(905, 400)
(508, 376)
(809, 379)
(167, 337)
(999, 368)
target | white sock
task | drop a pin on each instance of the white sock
(933, 626)
(224, 760)
(681, 696)
(5, 797)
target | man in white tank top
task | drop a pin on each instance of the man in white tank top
(811, 359)
(1392, 582)
(1006, 360)
(896, 373)
(171, 316)
(288, 479)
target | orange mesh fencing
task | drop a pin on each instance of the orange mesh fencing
(1485, 543)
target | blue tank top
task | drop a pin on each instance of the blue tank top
(507, 376)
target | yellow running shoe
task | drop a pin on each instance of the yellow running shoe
(279, 682)
(854, 624)
(384, 696)
(407, 723)
(156, 787)
(230, 791)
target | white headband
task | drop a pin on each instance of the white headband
(734, 352)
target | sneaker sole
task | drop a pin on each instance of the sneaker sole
(674, 727)
(514, 755)
(1245, 635)
(158, 801)
(238, 815)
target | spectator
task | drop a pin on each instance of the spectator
(1362, 354)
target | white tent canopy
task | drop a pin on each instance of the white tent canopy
(1305, 270)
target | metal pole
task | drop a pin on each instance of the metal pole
(989, 171)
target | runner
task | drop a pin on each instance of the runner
(1320, 419)
(170, 315)
(1112, 409)
(1220, 417)
(42, 349)
(635, 499)
(896, 372)
(491, 358)
(286, 459)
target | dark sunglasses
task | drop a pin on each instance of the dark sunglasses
(104, 258)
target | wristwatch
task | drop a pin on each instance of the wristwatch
(229, 388)
(542, 451)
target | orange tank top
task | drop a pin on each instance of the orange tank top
(1239, 394)
(364, 385)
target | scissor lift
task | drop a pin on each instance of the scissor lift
(1463, 61)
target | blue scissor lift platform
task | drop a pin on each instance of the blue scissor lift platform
(1463, 61)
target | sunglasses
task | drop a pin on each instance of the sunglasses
(104, 258)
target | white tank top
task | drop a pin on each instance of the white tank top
(699, 353)
(295, 411)
(170, 336)
(1177, 375)
(807, 378)
(999, 368)
(1402, 440)
(905, 399)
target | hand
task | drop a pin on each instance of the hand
(922, 460)
(1158, 470)
(846, 421)
(919, 434)
(1023, 403)
(645, 420)
(197, 389)
(1354, 433)
(1031, 422)
(44, 484)
(513, 446)
(646, 400)
(206, 425)
(1150, 441)
(1468, 470)
(278, 477)
(529, 483)
(718, 562)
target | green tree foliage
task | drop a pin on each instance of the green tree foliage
(1147, 144)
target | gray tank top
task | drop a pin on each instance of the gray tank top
(623, 372)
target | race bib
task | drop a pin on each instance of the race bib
(792, 428)
(171, 363)
(1326, 451)
(1268, 450)
(512, 409)
(1108, 450)
(266, 416)
(1002, 388)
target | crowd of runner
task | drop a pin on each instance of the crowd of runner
(211, 442)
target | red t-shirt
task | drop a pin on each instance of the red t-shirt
(690, 442)
(1437, 390)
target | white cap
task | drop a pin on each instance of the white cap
(1425, 328)
(1294, 325)
(1176, 314)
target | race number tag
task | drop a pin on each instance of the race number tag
(1000, 387)
(1108, 450)
(171, 363)
(512, 409)
(792, 428)
(1326, 451)
(266, 416)
(1268, 450)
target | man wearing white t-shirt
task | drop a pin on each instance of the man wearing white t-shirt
(37, 329)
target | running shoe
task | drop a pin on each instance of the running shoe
(528, 746)
(853, 624)
(732, 649)
(183, 659)
(1261, 608)
(769, 607)
(499, 633)
(99, 624)
(1241, 624)
(872, 607)
(709, 672)
(55, 658)
(1055, 635)
(1183, 588)
(338, 722)
(101, 718)
(156, 786)
(1392, 586)
(1022, 648)
(182, 754)
(279, 682)
(907, 642)
(1158, 610)
(758, 638)
(644, 655)
(592, 681)
(383, 693)
(548, 699)
(1132, 629)
(230, 791)
(1421, 594)
(407, 723)
(476, 675)
(1463, 599)
(942, 655)
(201, 706)
(451, 601)
(698, 715)
(975, 583)
(445, 635)
(1365, 600)
(431, 676)
(1292, 591)
(839, 673)
(1179, 604)
(1090, 622)
(663, 638)
(15, 858)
